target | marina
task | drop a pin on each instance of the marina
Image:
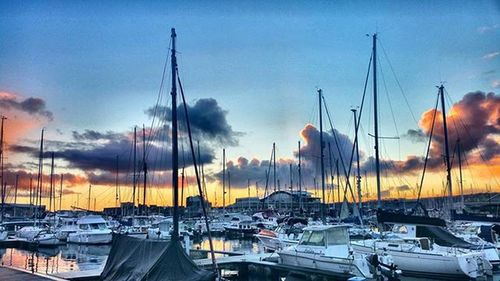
(312, 141)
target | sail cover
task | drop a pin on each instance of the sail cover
(142, 259)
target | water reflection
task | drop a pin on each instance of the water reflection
(70, 257)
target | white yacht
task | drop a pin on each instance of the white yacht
(285, 235)
(160, 230)
(92, 229)
(326, 248)
(66, 226)
(136, 226)
(241, 226)
(420, 257)
(37, 235)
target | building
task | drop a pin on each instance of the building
(21, 210)
(278, 200)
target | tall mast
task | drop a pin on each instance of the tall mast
(61, 192)
(175, 144)
(133, 174)
(291, 187)
(274, 166)
(15, 192)
(338, 184)
(1, 169)
(144, 168)
(358, 173)
(31, 195)
(446, 147)
(321, 156)
(90, 193)
(51, 192)
(331, 169)
(375, 119)
(38, 201)
(116, 179)
(224, 179)
(300, 181)
(229, 187)
(460, 174)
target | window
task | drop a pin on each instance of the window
(317, 238)
(337, 236)
(305, 236)
(84, 227)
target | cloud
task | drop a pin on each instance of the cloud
(415, 135)
(495, 84)
(310, 151)
(487, 28)
(92, 135)
(208, 121)
(31, 105)
(492, 55)
(475, 120)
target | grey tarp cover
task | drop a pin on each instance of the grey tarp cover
(142, 259)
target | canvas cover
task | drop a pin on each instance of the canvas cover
(143, 259)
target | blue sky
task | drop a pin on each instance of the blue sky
(98, 64)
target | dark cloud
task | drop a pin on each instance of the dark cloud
(32, 106)
(415, 135)
(208, 121)
(91, 135)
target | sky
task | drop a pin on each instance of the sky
(89, 71)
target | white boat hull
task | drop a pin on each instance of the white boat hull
(430, 265)
(339, 267)
(90, 238)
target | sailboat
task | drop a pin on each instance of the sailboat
(411, 243)
(37, 234)
(327, 247)
(158, 260)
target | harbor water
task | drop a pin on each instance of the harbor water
(74, 257)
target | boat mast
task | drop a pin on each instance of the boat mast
(224, 179)
(88, 202)
(1, 170)
(51, 191)
(133, 174)
(61, 192)
(356, 142)
(320, 96)
(175, 145)
(274, 165)
(300, 182)
(15, 194)
(144, 168)
(38, 200)
(375, 119)
(446, 147)
(460, 174)
(116, 180)
(291, 188)
(331, 171)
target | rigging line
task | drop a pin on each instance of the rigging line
(160, 90)
(348, 184)
(195, 166)
(392, 111)
(428, 150)
(464, 125)
(397, 81)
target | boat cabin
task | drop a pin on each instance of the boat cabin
(333, 239)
